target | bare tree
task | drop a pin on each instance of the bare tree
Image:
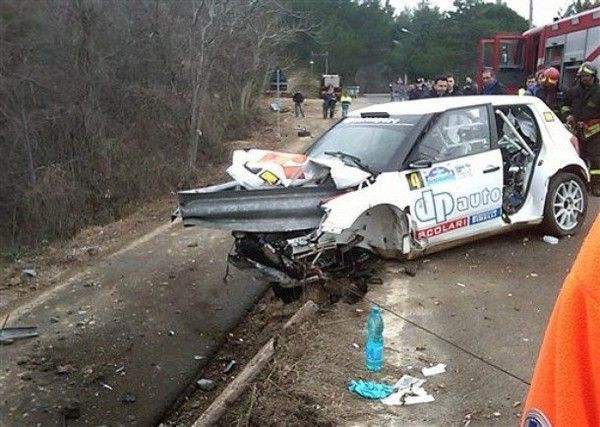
(104, 102)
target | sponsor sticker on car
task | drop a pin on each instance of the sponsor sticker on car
(484, 216)
(439, 174)
(439, 206)
(462, 171)
(444, 227)
(415, 180)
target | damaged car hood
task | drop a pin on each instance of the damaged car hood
(261, 169)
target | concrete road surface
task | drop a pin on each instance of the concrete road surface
(119, 342)
(482, 310)
(125, 337)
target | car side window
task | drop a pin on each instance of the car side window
(523, 120)
(455, 133)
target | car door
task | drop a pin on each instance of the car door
(455, 178)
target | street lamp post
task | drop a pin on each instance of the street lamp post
(321, 55)
(311, 66)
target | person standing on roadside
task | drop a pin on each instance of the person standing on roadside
(491, 86)
(399, 90)
(440, 88)
(470, 87)
(345, 100)
(453, 89)
(582, 110)
(329, 101)
(419, 91)
(298, 99)
(539, 80)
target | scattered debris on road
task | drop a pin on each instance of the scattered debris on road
(229, 367)
(551, 240)
(370, 389)
(102, 382)
(408, 391)
(434, 370)
(10, 335)
(29, 272)
(205, 384)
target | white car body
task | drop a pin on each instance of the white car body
(464, 204)
(398, 180)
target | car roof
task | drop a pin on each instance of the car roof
(436, 105)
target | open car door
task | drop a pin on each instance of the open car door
(455, 177)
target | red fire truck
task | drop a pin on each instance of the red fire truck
(564, 44)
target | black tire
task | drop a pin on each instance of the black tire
(287, 295)
(569, 190)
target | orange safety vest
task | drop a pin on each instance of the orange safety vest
(565, 389)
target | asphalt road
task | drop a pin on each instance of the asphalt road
(126, 336)
(121, 340)
(482, 310)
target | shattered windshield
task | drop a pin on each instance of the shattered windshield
(372, 140)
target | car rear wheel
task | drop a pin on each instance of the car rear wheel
(566, 205)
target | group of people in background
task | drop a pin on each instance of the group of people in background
(330, 99)
(578, 106)
(445, 85)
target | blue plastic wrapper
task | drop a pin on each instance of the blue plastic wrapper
(370, 389)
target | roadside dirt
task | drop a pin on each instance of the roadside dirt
(25, 275)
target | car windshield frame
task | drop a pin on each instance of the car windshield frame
(398, 154)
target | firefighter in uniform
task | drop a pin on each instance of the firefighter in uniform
(582, 111)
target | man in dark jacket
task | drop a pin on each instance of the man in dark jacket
(439, 89)
(582, 111)
(420, 91)
(491, 86)
(298, 99)
(470, 87)
(453, 89)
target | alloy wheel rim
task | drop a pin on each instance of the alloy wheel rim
(568, 204)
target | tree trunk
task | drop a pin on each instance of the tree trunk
(28, 148)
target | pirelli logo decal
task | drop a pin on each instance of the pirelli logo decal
(415, 180)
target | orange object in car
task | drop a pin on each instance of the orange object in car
(565, 389)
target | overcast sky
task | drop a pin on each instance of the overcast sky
(543, 10)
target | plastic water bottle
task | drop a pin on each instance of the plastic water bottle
(374, 340)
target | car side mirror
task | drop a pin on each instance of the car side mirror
(420, 164)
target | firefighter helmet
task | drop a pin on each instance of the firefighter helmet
(588, 69)
(551, 75)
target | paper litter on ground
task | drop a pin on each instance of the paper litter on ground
(434, 370)
(409, 391)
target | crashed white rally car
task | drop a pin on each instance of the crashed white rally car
(398, 180)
